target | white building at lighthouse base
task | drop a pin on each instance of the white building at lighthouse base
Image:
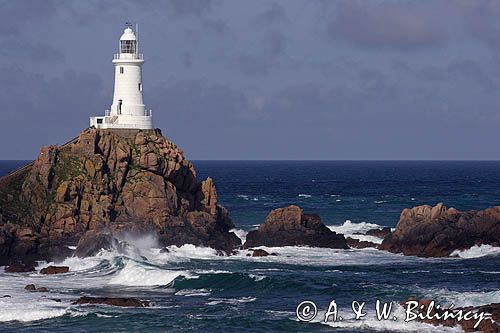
(123, 121)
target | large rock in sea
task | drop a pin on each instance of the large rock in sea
(437, 231)
(108, 179)
(289, 226)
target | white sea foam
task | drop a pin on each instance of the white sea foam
(257, 278)
(232, 301)
(462, 298)
(28, 306)
(193, 292)
(311, 256)
(356, 230)
(303, 195)
(476, 252)
(370, 322)
(242, 234)
(349, 227)
(28, 309)
(212, 271)
(135, 274)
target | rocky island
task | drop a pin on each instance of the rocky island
(289, 226)
(437, 231)
(113, 180)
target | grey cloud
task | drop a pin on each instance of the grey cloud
(386, 24)
(37, 52)
(177, 8)
(276, 13)
(16, 14)
(251, 65)
(187, 59)
(273, 43)
(218, 26)
(54, 109)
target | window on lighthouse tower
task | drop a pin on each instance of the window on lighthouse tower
(127, 46)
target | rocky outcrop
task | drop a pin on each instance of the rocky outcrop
(50, 270)
(108, 179)
(94, 241)
(289, 226)
(437, 231)
(114, 301)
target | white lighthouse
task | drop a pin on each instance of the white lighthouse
(128, 110)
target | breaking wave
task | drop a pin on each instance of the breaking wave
(357, 230)
(476, 252)
(462, 298)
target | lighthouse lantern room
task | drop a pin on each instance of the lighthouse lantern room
(128, 110)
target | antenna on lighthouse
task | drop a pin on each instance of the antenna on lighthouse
(137, 38)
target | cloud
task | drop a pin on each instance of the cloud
(35, 106)
(175, 8)
(480, 20)
(275, 14)
(273, 43)
(404, 25)
(15, 14)
(216, 25)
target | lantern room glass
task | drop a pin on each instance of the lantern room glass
(127, 46)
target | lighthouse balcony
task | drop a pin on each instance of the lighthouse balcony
(128, 56)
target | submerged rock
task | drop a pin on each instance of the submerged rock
(437, 231)
(379, 232)
(30, 287)
(260, 253)
(114, 301)
(108, 179)
(358, 244)
(50, 270)
(289, 226)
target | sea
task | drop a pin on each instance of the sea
(192, 289)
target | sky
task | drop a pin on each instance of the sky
(291, 79)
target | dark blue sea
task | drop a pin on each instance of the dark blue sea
(193, 289)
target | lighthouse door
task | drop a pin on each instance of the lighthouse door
(120, 106)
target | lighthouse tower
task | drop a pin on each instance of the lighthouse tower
(128, 110)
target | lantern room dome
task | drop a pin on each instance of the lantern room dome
(128, 34)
